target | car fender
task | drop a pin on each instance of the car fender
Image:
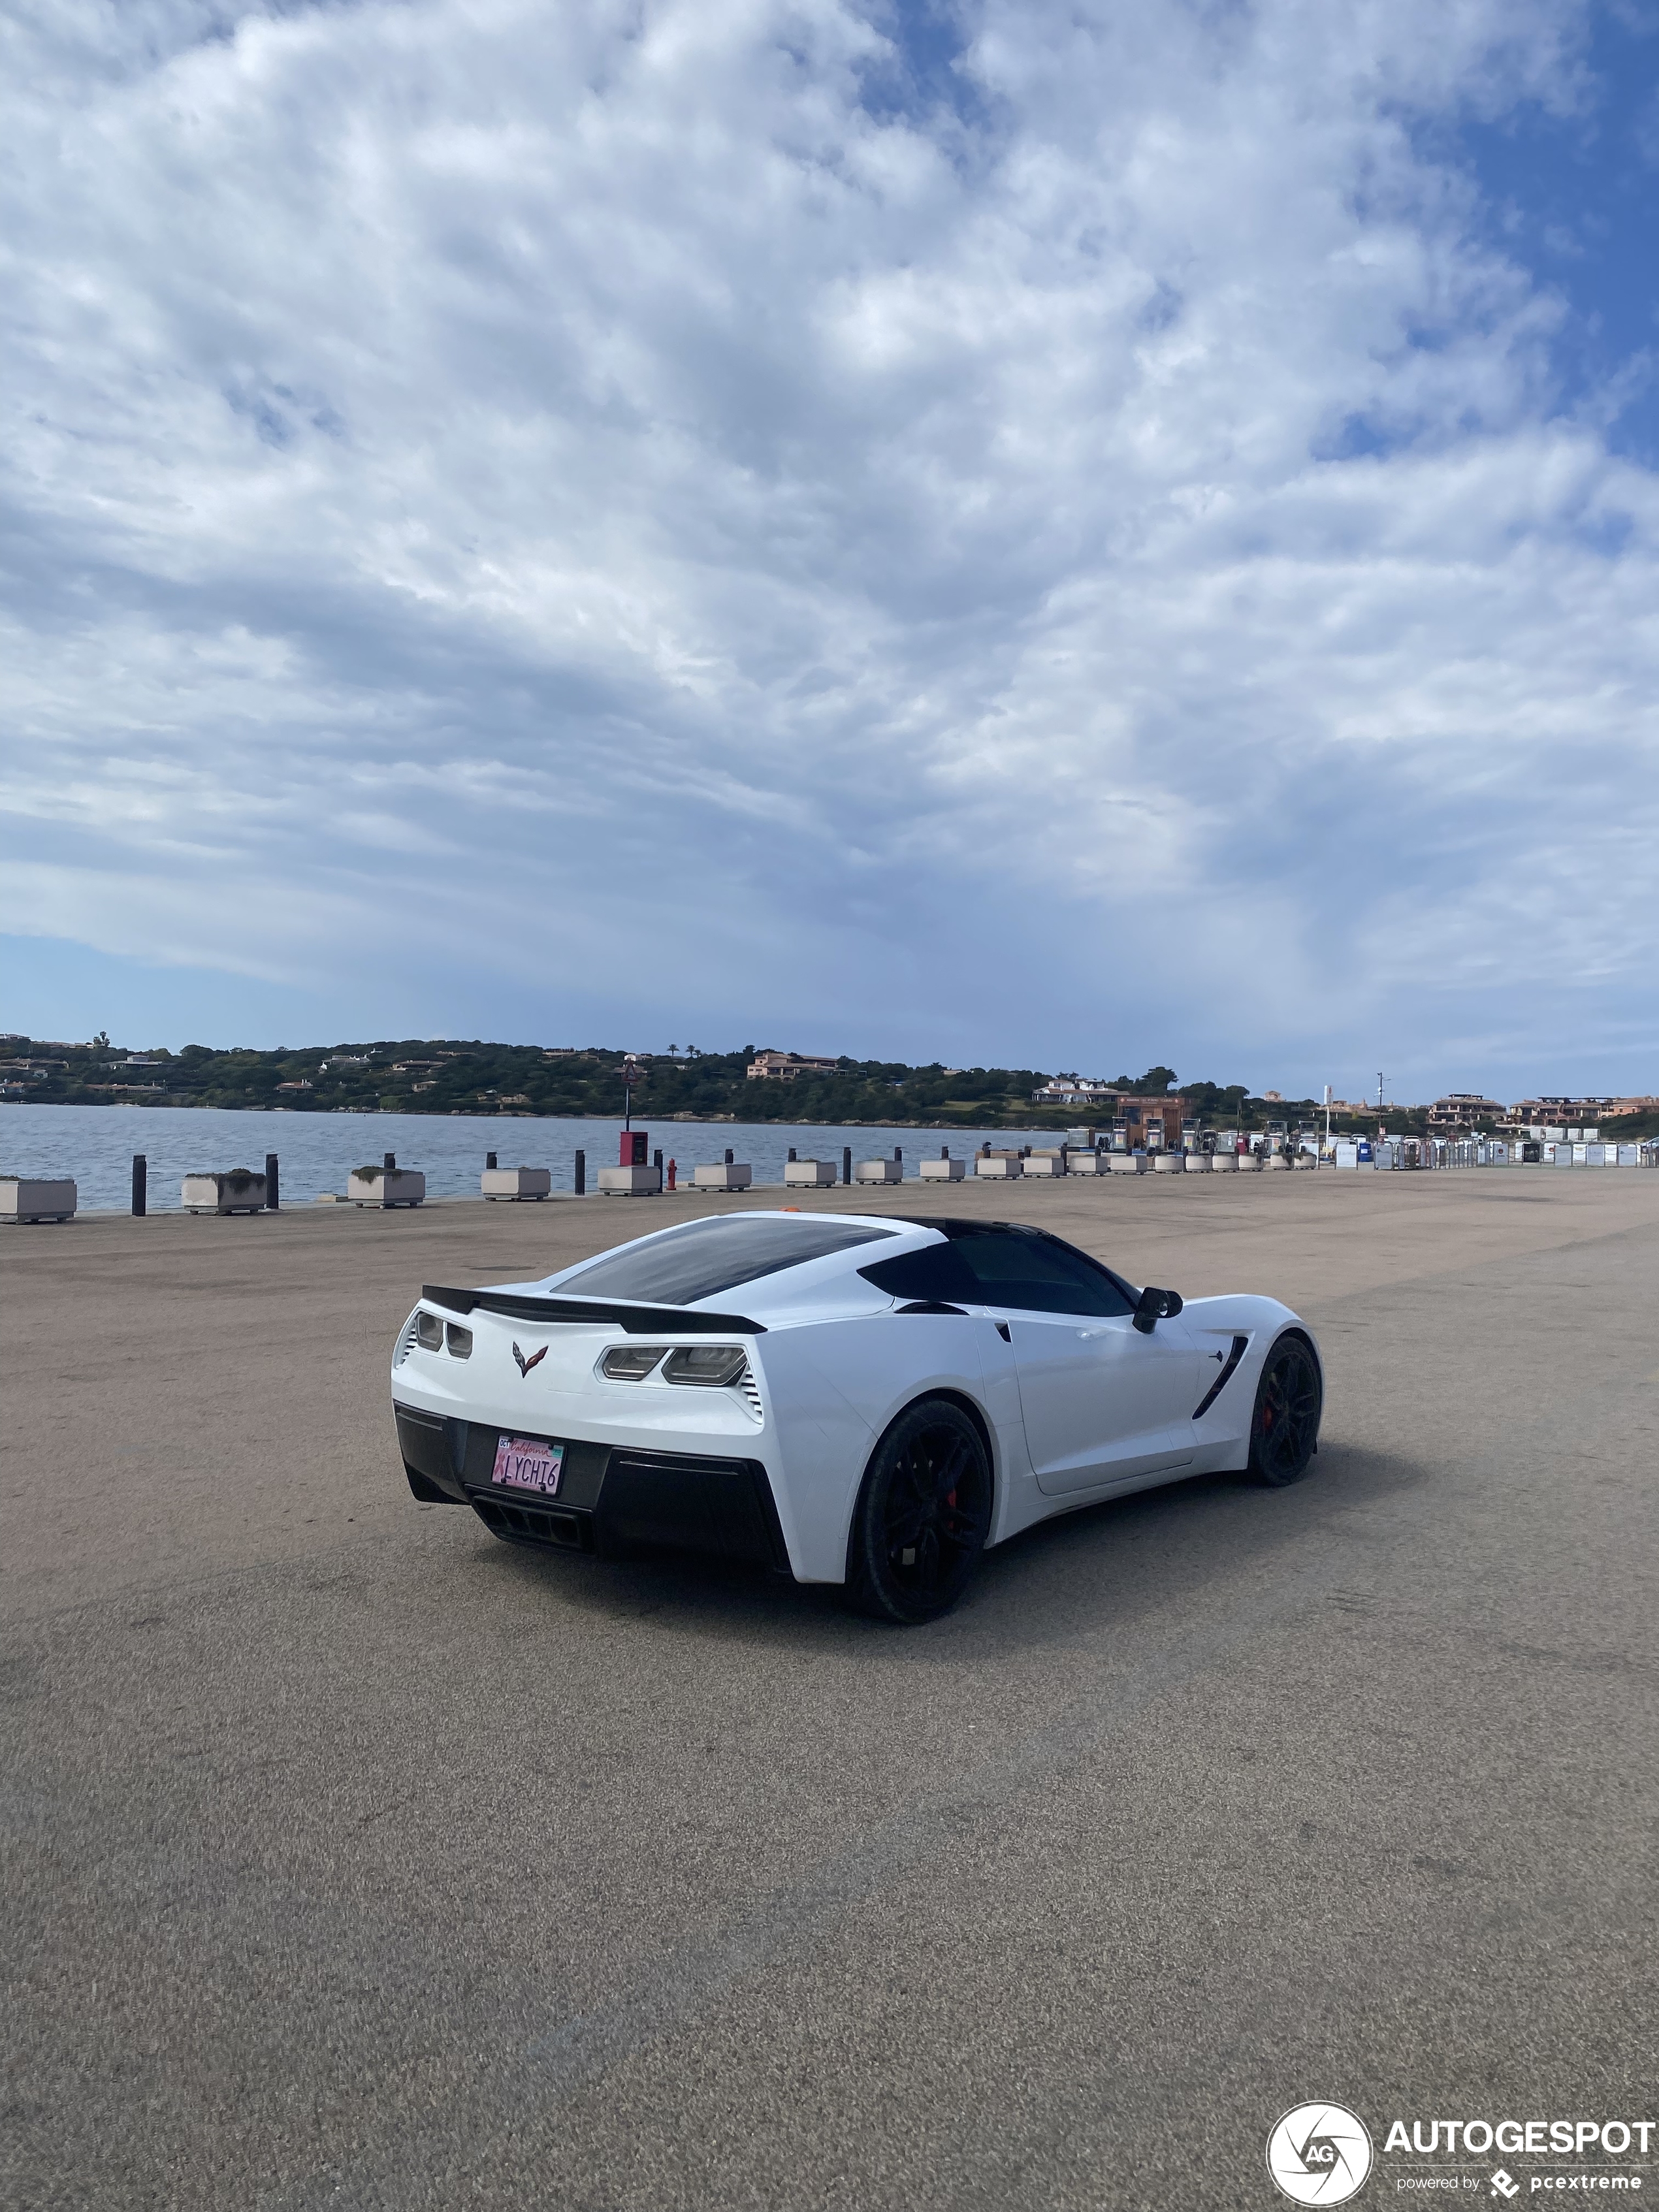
(1216, 1325)
(834, 1388)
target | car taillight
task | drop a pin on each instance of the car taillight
(709, 1366)
(630, 1362)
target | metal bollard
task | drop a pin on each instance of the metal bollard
(140, 1182)
(489, 1162)
(847, 1163)
(728, 1156)
(273, 1198)
(945, 1151)
(391, 1162)
(656, 1161)
(580, 1174)
(673, 1171)
(792, 1151)
(898, 1154)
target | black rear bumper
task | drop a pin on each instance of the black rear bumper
(609, 1501)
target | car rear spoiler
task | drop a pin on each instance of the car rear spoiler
(638, 1320)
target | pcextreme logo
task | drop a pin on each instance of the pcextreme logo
(1319, 2154)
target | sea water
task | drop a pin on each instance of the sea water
(317, 1152)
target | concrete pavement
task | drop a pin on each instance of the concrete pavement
(351, 1858)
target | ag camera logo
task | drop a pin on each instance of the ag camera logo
(1319, 2154)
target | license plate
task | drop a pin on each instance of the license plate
(527, 1463)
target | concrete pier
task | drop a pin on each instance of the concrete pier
(355, 1856)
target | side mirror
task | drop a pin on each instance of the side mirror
(1155, 1306)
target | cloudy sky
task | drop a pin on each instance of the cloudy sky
(1063, 534)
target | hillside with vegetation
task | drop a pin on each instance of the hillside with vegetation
(1629, 1128)
(426, 1076)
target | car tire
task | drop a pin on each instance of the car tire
(922, 1517)
(1284, 1423)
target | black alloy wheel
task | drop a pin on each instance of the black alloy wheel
(922, 1517)
(1285, 1426)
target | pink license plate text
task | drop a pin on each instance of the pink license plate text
(526, 1464)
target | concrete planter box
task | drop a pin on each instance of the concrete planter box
(998, 1169)
(630, 1183)
(815, 1175)
(1092, 1163)
(516, 1183)
(1045, 1163)
(944, 1170)
(878, 1172)
(1224, 1163)
(1169, 1162)
(1199, 1162)
(385, 1186)
(728, 1176)
(1281, 1160)
(1249, 1162)
(37, 1198)
(239, 1191)
(1128, 1163)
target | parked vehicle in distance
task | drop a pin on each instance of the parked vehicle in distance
(849, 1399)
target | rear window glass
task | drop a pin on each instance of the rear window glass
(706, 1257)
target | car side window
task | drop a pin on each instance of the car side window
(936, 1275)
(1039, 1273)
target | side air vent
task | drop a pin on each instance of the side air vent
(749, 1391)
(1241, 1345)
(406, 1341)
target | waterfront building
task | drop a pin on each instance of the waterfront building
(1463, 1110)
(785, 1067)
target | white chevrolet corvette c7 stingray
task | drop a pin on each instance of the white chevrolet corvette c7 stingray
(852, 1399)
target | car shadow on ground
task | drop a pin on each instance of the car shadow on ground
(1197, 1540)
(1123, 1558)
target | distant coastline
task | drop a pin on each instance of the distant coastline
(443, 1079)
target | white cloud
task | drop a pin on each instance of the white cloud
(1083, 535)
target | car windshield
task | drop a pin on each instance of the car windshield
(706, 1257)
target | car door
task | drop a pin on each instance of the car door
(1103, 1403)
